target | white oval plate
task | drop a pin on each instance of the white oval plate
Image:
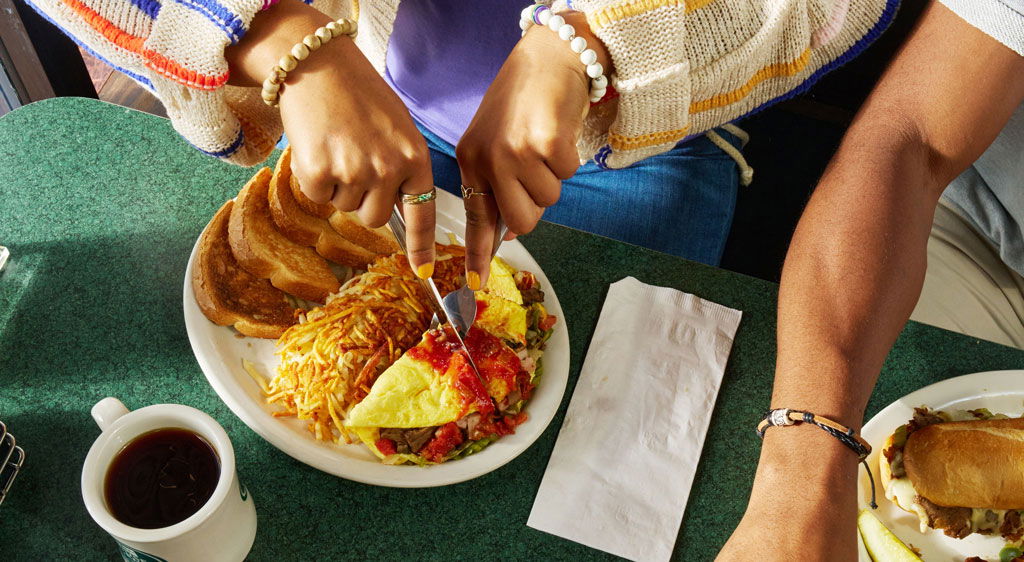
(220, 351)
(999, 391)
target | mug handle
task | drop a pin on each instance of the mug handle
(107, 411)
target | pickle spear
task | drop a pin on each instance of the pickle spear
(882, 545)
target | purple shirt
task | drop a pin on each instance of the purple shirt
(444, 54)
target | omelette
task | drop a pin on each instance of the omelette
(429, 407)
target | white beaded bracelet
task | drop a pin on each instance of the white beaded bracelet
(272, 85)
(539, 14)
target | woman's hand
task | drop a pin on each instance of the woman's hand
(522, 140)
(804, 502)
(353, 141)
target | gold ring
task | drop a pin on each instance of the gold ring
(418, 198)
(468, 192)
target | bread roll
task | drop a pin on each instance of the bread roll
(976, 464)
(885, 469)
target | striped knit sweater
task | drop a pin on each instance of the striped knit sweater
(682, 67)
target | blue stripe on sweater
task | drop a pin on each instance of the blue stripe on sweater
(888, 14)
(233, 148)
(602, 156)
(223, 18)
(142, 80)
(149, 7)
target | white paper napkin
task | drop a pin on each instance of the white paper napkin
(621, 470)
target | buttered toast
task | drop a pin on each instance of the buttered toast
(263, 251)
(229, 295)
(306, 229)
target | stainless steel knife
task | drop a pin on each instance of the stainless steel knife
(436, 303)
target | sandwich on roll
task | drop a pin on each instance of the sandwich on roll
(960, 472)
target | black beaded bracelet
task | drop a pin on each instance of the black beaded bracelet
(781, 417)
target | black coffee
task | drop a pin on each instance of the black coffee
(161, 478)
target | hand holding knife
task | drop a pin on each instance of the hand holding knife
(459, 325)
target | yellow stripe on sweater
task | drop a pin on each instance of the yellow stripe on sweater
(770, 71)
(629, 8)
(622, 142)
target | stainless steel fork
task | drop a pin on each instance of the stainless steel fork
(461, 303)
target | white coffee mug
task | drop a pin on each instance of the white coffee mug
(222, 530)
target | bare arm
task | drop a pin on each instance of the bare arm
(856, 265)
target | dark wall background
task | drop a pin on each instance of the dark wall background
(790, 145)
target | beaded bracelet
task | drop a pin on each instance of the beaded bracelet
(539, 14)
(781, 417)
(323, 35)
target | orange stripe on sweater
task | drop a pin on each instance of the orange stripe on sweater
(134, 44)
(173, 70)
(621, 142)
(106, 28)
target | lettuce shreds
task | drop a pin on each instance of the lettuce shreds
(471, 447)
(401, 458)
(536, 340)
(515, 408)
(537, 373)
(534, 315)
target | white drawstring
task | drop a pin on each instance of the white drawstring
(746, 172)
(740, 133)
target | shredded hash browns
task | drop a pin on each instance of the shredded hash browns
(332, 357)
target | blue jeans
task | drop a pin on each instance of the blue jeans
(680, 202)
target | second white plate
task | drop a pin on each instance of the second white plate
(1000, 392)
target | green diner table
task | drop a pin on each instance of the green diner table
(100, 206)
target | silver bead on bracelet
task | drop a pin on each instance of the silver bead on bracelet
(539, 14)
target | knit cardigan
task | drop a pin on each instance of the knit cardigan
(682, 67)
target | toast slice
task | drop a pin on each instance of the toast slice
(228, 294)
(265, 252)
(377, 240)
(321, 210)
(306, 229)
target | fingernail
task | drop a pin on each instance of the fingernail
(425, 271)
(473, 280)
